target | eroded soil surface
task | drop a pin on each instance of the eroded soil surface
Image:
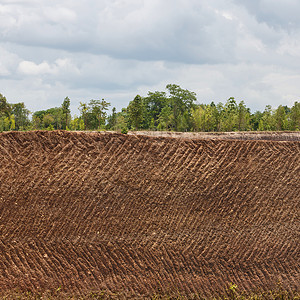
(142, 215)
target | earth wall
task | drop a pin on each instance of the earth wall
(140, 215)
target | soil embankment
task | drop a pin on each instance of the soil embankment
(141, 215)
(234, 135)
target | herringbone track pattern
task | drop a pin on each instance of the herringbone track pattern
(140, 215)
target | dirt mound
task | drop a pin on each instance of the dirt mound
(142, 215)
(234, 135)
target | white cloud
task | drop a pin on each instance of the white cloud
(60, 15)
(59, 67)
(290, 45)
(30, 68)
(116, 49)
(8, 62)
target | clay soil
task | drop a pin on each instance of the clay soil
(138, 215)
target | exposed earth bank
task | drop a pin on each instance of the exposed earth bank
(139, 215)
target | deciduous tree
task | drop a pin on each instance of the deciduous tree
(66, 110)
(135, 112)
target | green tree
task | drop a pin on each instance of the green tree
(295, 116)
(197, 115)
(6, 124)
(135, 112)
(94, 113)
(76, 123)
(219, 112)
(204, 118)
(48, 120)
(66, 110)
(280, 118)
(21, 116)
(210, 118)
(56, 114)
(5, 108)
(154, 103)
(12, 122)
(122, 120)
(181, 101)
(97, 108)
(267, 121)
(83, 108)
(36, 122)
(255, 120)
(112, 120)
(165, 119)
(229, 118)
(243, 113)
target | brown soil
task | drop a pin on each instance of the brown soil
(234, 135)
(141, 215)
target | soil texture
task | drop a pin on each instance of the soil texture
(139, 215)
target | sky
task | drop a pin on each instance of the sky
(116, 49)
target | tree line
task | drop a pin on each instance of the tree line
(175, 109)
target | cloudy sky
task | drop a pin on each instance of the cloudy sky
(116, 49)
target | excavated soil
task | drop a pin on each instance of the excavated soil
(234, 135)
(140, 215)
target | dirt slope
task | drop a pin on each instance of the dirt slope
(234, 135)
(140, 215)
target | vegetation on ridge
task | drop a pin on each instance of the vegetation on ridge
(175, 109)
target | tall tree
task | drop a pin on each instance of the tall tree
(280, 117)
(97, 111)
(122, 120)
(229, 117)
(295, 116)
(165, 118)
(135, 112)
(48, 121)
(5, 108)
(94, 113)
(204, 118)
(83, 108)
(255, 120)
(181, 101)
(267, 121)
(154, 103)
(66, 110)
(243, 117)
(21, 115)
(112, 119)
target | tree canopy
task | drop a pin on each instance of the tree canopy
(174, 109)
